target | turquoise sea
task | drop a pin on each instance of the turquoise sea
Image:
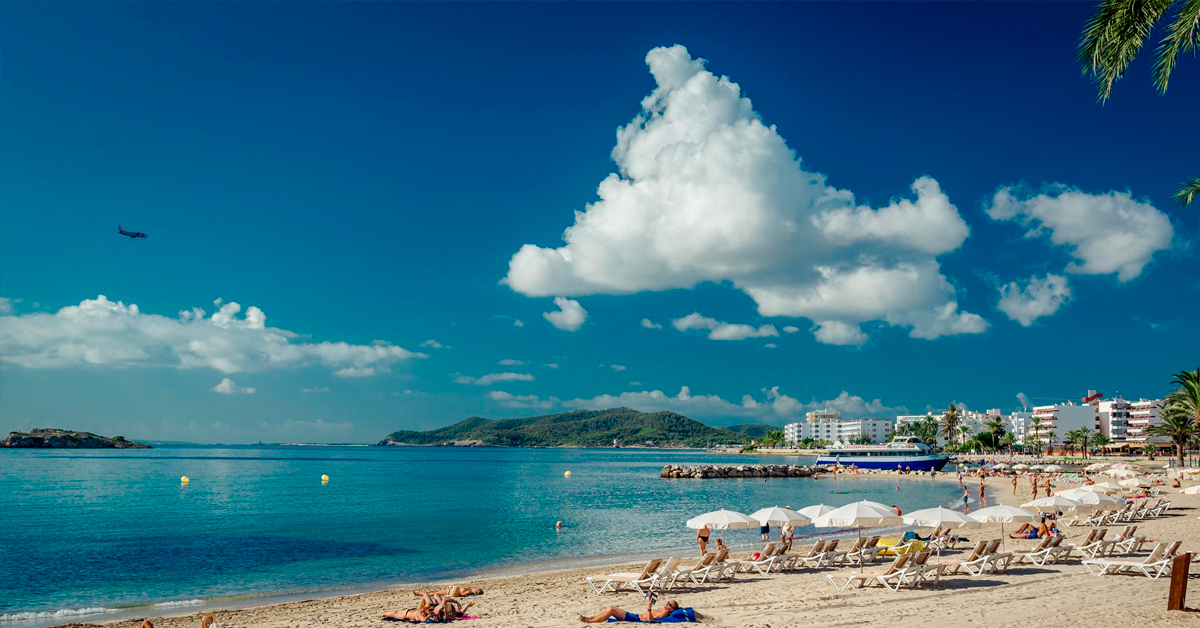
(86, 534)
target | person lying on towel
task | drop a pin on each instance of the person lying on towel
(431, 610)
(669, 613)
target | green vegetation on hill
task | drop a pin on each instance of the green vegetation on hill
(753, 430)
(580, 428)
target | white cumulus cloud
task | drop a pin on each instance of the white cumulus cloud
(492, 378)
(570, 314)
(510, 400)
(433, 344)
(706, 192)
(1037, 298)
(774, 405)
(718, 330)
(229, 387)
(6, 306)
(617, 367)
(649, 324)
(1104, 233)
(310, 391)
(791, 329)
(511, 362)
(103, 333)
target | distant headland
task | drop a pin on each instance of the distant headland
(52, 438)
(621, 427)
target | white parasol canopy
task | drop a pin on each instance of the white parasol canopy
(875, 505)
(722, 520)
(1091, 498)
(1102, 487)
(1036, 467)
(1053, 468)
(1020, 466)
(814, 511)
(858, 515)
(1000, 465)
(1054, 503)
(1191, 490)
(1135, 483)
(1003, 514)
(779, 516)
(1120, 473)
(933, 517)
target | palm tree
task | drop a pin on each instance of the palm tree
(1116, 33)
(1050, 437)
(1177, 425)
(994, 428)
(1187, 388)
(950, 422)
(1008, 440)
(929, 430)
(1101, 441)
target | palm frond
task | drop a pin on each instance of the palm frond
(1188, 193)
(1182, 36)
(1113, 37)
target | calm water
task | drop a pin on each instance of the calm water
(95, 530)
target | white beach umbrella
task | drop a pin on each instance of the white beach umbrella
(1096, 466)
(1103, 487)
(722, 520)
(1003, 514)
(1054, 503)
(1191, 490)
(1020, 466)
(933, 517)
(1135, 483)
(1036, 467)
(814, 511)
(875, 505)
(1120, 473)
(779, 516)
(858, 515)
(1000, 465)
(1053, 468)
(1097, 501)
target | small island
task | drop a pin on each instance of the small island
(53, 438)
(616, 427)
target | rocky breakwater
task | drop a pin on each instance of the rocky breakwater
(718, 472)
(51, 438)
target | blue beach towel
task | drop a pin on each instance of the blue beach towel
(680, 615)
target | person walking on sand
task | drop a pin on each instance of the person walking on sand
(1047, 486)
(982, 495)
(1014, 485)
(702, 539)
(1033, 484)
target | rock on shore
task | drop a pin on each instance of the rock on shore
(52, 438)
(709, 471)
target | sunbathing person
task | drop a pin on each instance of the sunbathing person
(1029, 531)
(432, 609)
(623, 615)
(452, 592)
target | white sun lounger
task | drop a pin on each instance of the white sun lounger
(613, 582)
(1152, 566)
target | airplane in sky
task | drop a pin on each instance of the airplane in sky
(132, 234)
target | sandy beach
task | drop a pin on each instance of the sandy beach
(1024, 595)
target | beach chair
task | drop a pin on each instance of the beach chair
(1153, 566)
(1108, 545)
(616, 581)
(995, 559)
(718, 569)
(665, 572)
(1051, 552)
(1131, 543)
(1019, 556)
(868, 552)
(1091, 547)
(765, 561)
(835, 556)
(1158, 510)
(697, 572)
(813, 557)
(864, 578)
(977, 562)
(918, 571)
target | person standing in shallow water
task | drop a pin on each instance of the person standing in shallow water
(765, 531)
(982, 495)
(966, 500)
(702, 539)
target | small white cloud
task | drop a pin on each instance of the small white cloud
(523, 401)
(839, 333)
(1105, 233)
(511, 362)
(518, 323)
(356, 371)
(718, 330)
(492, 378)
(570, 314)
(314, 391)
(771, 345)
(791, 329)
(1037, 298)
(408, 393)
(433, 344)
(229, 387)
(635, 383)
(550, 366)
(6, 306)
(649, 324)
(616, 367)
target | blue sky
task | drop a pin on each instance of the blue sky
(364, 174)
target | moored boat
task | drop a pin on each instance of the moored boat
(904, 452)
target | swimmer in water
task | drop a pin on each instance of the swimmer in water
(558, 526)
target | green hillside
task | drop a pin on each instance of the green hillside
(753, 430)
(580, 428)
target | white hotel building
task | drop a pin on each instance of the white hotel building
(1142, 414)
(827, 425)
